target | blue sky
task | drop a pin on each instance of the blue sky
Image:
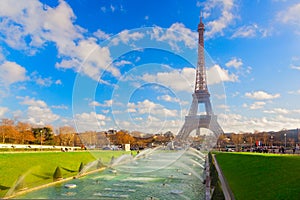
(130, 65)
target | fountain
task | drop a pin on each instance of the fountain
(152, 174)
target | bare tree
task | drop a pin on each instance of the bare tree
(67, 135)
(237, 139)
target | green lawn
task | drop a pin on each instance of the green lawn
(261, 176)
(38, 167)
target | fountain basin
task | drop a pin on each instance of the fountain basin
(167, 175)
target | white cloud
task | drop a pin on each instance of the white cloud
(183, 80)
(107, 103)
(112, 8)
(225, 7)
(151, 108)
(176, 33)
(224, 107)
(277, 111)
(103, 9)
(250, 31)
(131, 110)
(219, 96)
(139, 118)
(257, 105)
(101, 35)
(236, 123)
(40, 24)
(122, 63)
(282, 111)
(94, 103)
(261, 95)
(43, 81)
(32, 102)
(11, 72)
(89, 121)
(46, 82)
(2, 57)
(62, 106)
(105, 111)
(58, 82)
(3, 110)
(168, 98)
(245, 31)
(178, 80)
(125, 36)
(88, 58)
(295, 67)
(38, 112)
(151, 125)
(235, 62)
(216, 74)
(40, 115)
(290, 15)
(294, 92)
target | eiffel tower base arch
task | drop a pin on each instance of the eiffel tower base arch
(199, 121)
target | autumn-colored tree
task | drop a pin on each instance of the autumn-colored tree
(8, 130)
(92, 138)
(237, 139)
(221, 140)
(25, 133)
(124, 138)
(66, 129)
(77, 140)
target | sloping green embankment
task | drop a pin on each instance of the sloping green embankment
(261, 176)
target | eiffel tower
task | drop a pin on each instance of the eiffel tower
(201, 95)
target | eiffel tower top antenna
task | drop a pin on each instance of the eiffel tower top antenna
(201, 84)
(201, 16)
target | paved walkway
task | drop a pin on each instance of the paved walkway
(207, 180)
(225, 187)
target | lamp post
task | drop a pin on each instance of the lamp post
(41, 131)
(285, 140)
(272, 140)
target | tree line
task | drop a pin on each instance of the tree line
(16, 132)
(283, 137)
(25, 133)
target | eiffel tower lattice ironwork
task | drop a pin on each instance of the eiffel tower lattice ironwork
(201, 95)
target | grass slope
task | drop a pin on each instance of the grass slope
(39, 167)
(261, 176)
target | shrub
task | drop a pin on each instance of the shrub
(81, 167)
(57, 174)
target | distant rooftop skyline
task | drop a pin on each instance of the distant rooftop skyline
(131, 64)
